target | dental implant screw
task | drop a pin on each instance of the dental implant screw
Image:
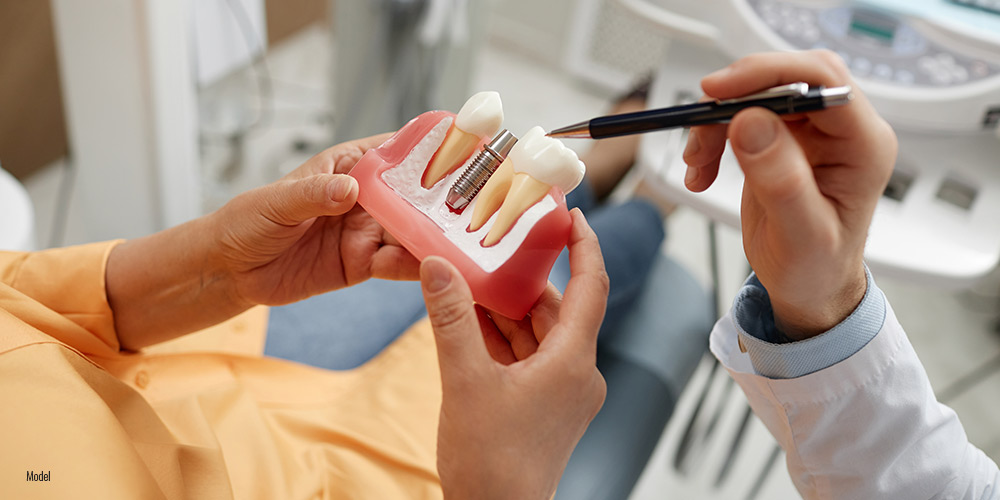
(479, 171)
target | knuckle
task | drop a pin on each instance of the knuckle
(826, 55)
(601, 389)
(265, 202)
(828, 237)
(785, 188)
(602, 282)
(888, 137)
(313, 191)
(833, 63)
(582, 372)
(598, 392)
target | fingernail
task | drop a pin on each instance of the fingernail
(342, 188)
(691, 175)
(693, 145)
(757, 135)
(435, 275)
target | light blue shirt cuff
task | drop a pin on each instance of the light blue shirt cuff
(776, 356)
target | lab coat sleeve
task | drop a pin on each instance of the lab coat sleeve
(866, 427)
(69, 281)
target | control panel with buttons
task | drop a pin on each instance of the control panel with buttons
(876, 45)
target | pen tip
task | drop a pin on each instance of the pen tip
(579, 130)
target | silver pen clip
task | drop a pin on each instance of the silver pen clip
(798, 89)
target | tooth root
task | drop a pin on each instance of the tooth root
(491, 196)
(457, 146)
(524, 192)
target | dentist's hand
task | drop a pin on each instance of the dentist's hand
(811, 185)
(303, 234)
(517, 395)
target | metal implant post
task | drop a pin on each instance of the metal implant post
(479, 171)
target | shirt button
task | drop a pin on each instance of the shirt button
(142, 379)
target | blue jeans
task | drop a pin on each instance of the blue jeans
(343, 329)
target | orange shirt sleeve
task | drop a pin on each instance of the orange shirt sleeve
(68, 281)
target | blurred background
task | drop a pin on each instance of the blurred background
(119, 118)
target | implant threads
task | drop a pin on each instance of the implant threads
(474, 178)
(479, 171)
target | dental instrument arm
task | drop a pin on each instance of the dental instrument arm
(276, 244)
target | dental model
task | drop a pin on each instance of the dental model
(508, 276)
(538, 163)
(479, 118)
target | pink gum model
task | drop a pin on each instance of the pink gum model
(513, 287)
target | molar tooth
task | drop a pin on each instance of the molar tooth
(480, 117)
(538, 163)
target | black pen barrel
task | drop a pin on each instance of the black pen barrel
(646, 121)
(697, 114)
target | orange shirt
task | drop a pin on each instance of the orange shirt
(203, 416)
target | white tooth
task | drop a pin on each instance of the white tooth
(481, 115)
(539, 162)
(547, 160)
(479, 118)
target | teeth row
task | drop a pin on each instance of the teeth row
(479, 118)
(534, 166)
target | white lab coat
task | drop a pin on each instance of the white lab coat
(868, 427)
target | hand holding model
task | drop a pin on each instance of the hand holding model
(812, 183)
(276, 244)
(304, 234)
(509, 424)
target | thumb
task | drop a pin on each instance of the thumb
(776, 170)
(291, 202)
(453, 317)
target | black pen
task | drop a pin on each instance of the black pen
(786, 99)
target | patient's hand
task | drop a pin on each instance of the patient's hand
(297, 237)
(303, 235)
(517, 395)
(812, 183)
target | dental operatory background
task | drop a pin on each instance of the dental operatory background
(119, 118)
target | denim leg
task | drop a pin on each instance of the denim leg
(343, 329)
